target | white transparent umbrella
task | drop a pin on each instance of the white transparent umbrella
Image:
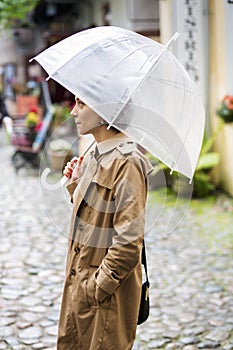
(137, 85)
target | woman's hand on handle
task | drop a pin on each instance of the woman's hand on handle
(73, 169)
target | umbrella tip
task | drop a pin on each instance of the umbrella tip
(173, 38)
(176, 36)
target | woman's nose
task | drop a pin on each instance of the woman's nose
(74, 112)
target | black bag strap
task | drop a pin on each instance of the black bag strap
(144, 261)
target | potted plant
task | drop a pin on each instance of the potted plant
(225, 145)
(60, 152)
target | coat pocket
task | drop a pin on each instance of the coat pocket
(91, 287)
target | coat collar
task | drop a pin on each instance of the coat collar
(109, 145)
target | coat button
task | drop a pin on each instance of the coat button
(121, 145)
(77, 250)
(73, 272)
(80, 227)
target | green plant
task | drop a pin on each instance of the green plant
(158, 166)
(203, 184)
(61, 112)
(14, 13)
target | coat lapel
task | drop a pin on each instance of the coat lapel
(83, 185)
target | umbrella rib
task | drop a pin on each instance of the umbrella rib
(157, 58)
(158, 139)
(172, 83)
(185, 138)
(99, 43)
(174, 161)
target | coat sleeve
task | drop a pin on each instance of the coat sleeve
(71, 188)
(128, 222)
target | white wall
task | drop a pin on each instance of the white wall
(122, 10)
(119, 14)
(197, 23)
(8, 49)
(229, 46)
(9, 53)
(166, 27)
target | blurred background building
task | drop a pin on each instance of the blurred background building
(204, 47)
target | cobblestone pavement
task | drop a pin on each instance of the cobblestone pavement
(190, 271)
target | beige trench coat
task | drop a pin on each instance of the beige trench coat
(103, 276)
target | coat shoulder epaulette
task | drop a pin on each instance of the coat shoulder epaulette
(126, 147)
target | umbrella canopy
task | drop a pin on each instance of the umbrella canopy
(137, 85)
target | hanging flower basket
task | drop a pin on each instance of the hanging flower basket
(60, 152)
(225, 110)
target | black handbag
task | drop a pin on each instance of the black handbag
(145, 302)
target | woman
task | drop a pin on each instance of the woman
(103, 276)
(3, 109)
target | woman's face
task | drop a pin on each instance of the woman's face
(85, 118)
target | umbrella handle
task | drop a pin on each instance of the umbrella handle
(64, 179)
